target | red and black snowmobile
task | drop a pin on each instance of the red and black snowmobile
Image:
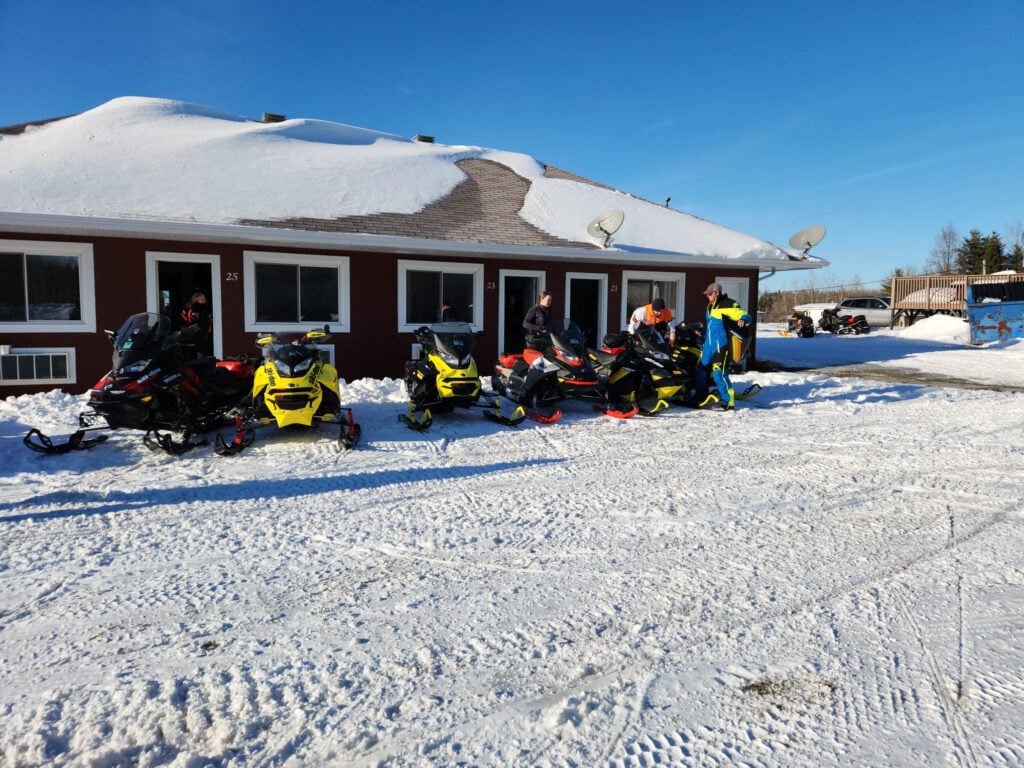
(555, 366)
(157, 384)
(833, 322)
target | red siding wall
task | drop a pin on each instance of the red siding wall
(373, 348)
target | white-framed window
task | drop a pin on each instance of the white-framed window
(23, 365)
(640, 288)
(46, 286)
(289, 291)
(426, 287)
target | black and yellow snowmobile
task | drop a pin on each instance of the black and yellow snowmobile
(294, 387)
(445, 377)
(637, 369)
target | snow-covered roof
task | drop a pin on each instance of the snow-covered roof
(155, 166)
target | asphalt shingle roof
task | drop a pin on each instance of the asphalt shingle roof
(482, 209)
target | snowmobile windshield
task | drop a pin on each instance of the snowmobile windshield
(651, 342)
(454, 342)
(139, 339)
(142, 330)
(290, 355)
(570, 337)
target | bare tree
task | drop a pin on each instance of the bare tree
(943, 258)
(1015, 234)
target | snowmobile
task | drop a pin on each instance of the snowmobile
(638, 369)
(553, 367)
(157, 383)
(531, 382)
(294, 387)
(687, 348)
(800, 325)
(445, 377)
(833, 322)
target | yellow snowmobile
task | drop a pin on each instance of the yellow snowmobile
(293, 387)
(445, 376)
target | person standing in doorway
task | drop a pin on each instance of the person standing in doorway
(538, 318)
(197, 314)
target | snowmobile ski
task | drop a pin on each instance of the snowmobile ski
(350, 431)
(651, 406)
(77, 441)
(164, 441)
(494, 413)
(621, 411)
(544, 417)
(750, 391)
(417, 424)
(244, 436)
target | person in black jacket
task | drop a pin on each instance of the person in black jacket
(197, 314)
(538, 318)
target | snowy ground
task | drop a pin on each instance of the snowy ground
(832, 575)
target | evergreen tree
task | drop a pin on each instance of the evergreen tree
(971, 254)
(1015, 260)
(887, 283)
(994, 255)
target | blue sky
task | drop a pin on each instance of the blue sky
(881, 121)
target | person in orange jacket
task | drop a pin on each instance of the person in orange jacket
(655, 314)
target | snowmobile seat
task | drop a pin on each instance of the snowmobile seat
(614, 341)
(508, 361)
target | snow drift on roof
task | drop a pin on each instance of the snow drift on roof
(146, 158)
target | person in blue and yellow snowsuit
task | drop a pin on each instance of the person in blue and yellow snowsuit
(722, 312)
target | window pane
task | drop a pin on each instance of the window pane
(53, 288)
(638, 293)
(665, 289)
(422, 296)
(60, 366)
(641, 292)
(42, 366)
(457, 292)
(319, 290)
(25, 368)
(277, 293)
(8, 367)
(12, 287)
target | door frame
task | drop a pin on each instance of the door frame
(541, 276)
(742, 284)
(602, 298)
(153, 286)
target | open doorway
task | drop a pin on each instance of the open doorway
(519, 292)
(172, 278)
(587, 303)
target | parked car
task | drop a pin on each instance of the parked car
(877, 310)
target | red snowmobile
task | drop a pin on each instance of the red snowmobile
(157, 384)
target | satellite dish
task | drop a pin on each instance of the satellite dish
(606, 225)
(806, 239)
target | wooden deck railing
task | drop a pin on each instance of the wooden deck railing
(938, 293)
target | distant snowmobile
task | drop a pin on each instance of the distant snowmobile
(833, 322)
